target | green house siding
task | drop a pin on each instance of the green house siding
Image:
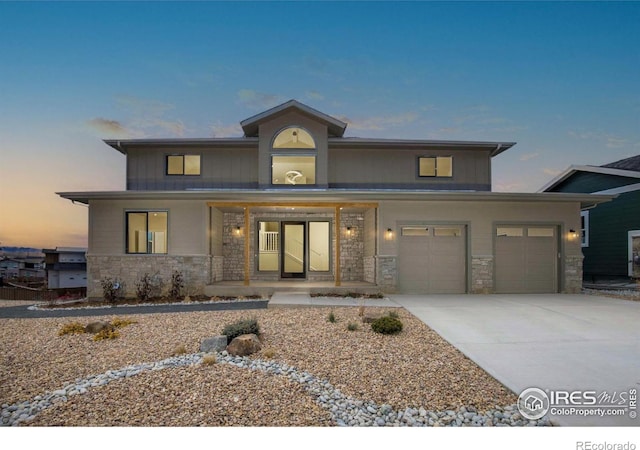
(609, 223)
(588, 182)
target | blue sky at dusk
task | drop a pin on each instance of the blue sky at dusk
(560, 79)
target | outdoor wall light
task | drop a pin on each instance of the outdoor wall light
(238, 230)
(389, 234)
(349, 231)
(573, 234)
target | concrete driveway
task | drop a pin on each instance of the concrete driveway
(552, 342)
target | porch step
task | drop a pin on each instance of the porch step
(267, 289)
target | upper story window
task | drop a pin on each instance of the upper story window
(294, 137)
(183, 165)
(435, 166)
(296, 167)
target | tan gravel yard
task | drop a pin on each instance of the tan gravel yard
(413, 369)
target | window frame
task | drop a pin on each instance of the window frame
(435, 164)
(298, 154)
(584, 228)
(146, 212)
(183, 156)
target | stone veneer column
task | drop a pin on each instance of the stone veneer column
(482, 274)
(387, 273)
(352, 247)
(573, 274)
(369, 267)
(233, 247)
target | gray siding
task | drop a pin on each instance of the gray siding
(231, 168)
(398, 169)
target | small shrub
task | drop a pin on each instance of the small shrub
(121, 323)
(269, 353)
(106, 334)
(179, 350)
(144, 287)
(111, 289)
(71, 328)
(246, 326)
(177, 284)
(352, 326)
(209, 359)
(393, 314)
(331, 317)
(387, 325)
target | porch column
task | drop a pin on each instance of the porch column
(247, 246)
(337, 232)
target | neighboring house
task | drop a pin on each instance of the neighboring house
(10, 268)
(293, 199)
(610, 233)
(22, 268)
(66, 267)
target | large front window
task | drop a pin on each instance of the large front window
(293, 170)
(147, 232)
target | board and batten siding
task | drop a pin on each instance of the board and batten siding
(231, 168)
(398, 169)
(187, 225)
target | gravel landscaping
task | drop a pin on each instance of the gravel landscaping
(310, 373)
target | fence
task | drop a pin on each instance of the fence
(13, 293)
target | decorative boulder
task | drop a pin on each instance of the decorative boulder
(96, 327)
(243, 345)
(213, 344)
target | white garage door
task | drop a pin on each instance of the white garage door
(526, 259)
(432, 259)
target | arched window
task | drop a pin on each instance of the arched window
(297, 165)
(294, 137)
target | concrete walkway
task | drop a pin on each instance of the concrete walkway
(552, 342)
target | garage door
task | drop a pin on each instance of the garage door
(432, 259)
(526, 259)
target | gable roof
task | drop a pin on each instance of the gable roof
(632, 163)
(593, 169)
(250, 125)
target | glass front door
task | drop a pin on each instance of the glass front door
(293, 250)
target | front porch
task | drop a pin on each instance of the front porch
(312, 245)
(267, 288)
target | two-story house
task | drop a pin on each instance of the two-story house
(66, 267)
(293, 199)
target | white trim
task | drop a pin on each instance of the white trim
(593, 169)
(631, 234)
(584, 242)
(620, 190)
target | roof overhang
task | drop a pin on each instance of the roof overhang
(495, 148)
(123, 145)
(593, 169)
(250, 126)
(336, 196)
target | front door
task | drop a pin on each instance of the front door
(634, 254)
(293, 250)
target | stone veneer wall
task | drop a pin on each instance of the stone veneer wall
(369, 267)
(130, 268)
(482, 275)
(352, 247)
(387, 273)
(573, 274)
(217, 268)
(233, 247)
